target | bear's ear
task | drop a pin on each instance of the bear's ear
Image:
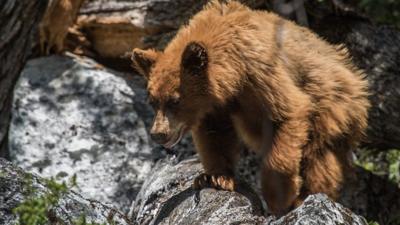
(194, 59)
(143, 60)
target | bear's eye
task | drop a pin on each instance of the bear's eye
(153, 103)
(172, 103)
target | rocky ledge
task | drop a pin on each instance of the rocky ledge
(18, 186)
(165, 198)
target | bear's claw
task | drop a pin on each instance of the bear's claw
(220, 182)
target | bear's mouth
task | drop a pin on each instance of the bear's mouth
(175, 138)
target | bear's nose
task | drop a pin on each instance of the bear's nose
(160, 138)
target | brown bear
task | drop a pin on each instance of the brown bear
(53, 29)
(235, 76)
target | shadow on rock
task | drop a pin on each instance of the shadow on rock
(372, 196)
(72, 116)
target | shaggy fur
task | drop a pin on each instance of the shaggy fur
(59, 16)
(236, 76)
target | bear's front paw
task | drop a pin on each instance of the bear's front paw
(220, 182)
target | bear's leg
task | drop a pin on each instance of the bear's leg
(280, 179)
(218, 147)
(279, 190)
(323, 173)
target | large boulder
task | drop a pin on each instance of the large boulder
(72, 116)
(16, 186)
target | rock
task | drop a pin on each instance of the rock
(72, 116)
(70, 207)
(167, 198)
(372, 196)
(318, 209)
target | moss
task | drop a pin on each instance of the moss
(373, 223)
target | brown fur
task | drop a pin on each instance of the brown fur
(243, 76)
(59, 16)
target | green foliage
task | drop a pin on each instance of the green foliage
(386, 163)
(82, 221)
(36, 207)
(384, 11)
(393, 158)
(373, 223)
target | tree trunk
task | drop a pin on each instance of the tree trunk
(18, 29)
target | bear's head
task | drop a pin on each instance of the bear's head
(178, 89)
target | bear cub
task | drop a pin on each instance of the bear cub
(234, 76)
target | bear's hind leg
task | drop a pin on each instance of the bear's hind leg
(323, 174)
(218, 147)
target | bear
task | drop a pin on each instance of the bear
(60, 15)
(237, 77)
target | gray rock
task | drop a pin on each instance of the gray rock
(167, 198)
(372, 196)
(318, 209)
(70, 207)
(71, 116)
